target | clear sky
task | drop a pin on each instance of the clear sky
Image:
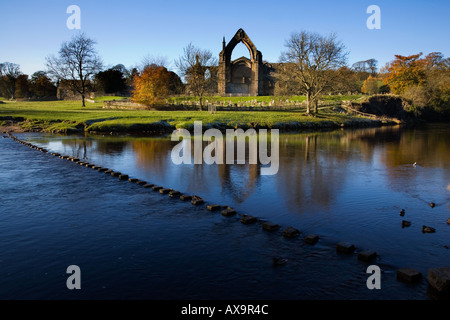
(126, 31)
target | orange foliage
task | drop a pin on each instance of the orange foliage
(404, 72)
(151, 86)
(370, 85)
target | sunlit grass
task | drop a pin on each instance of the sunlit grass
(66, 116)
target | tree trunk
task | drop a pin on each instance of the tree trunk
(201, 103)
(308, 103)
(82, 100)
(316, 109)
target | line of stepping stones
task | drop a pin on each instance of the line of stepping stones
(441, 276)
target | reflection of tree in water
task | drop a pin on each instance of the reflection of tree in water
(312, 169)
(111, 146)
(430, 148)
(78, 147)
(239, 180)
(152, 154)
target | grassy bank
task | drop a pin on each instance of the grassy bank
(260, 99)
(69, 116)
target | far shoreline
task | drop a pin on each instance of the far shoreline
(161, 127)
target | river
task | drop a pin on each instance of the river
(131, 242)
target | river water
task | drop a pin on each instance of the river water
(134, 243)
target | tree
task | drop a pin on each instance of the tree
(77, 62)
(9, 73)
(366, 66)
(22, 86)
(41, 85)
(345, 80)
(370, 85)
(310, 56)
(151, 87)
(423, 81)
(194, 66)
(403, 72)
(111, 81)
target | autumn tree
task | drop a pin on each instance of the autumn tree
(404, 72)
(308, 58)
(370, 85)
(9, 74)
(195, 66)
(78, 62)
(151, 86)
(424, 81)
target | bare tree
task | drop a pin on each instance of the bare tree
(310, 56)
(9, 73)
(195, 66)
(78, 62)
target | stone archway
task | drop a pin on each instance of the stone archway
(242, 76)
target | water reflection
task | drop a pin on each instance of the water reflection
(313, 167)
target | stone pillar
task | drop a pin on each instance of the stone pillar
(222, 83)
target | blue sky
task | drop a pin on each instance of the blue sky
(126, 31)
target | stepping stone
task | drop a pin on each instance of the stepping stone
(311, 238)
(109, 171)
(115, 173)
(270, 226)
(439, 280)
(174, 193)
(345, 247)
(228, 212)
(290, 232)
(123, 177)
(185, 197)
(156, 188)
(141, 182)
(426, 229)
(134, 180)
(102, 169)
(96, 167)
(406, 223)
(246, 219)
(213, 207)
(196, 200)
(164, 191)
(366, 255)
(148, 185)
(408, 275)
(75, 160)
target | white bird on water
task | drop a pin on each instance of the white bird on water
(414, 164)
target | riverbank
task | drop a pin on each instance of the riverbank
(70, 117)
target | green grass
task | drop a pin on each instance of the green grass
(69, 116)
